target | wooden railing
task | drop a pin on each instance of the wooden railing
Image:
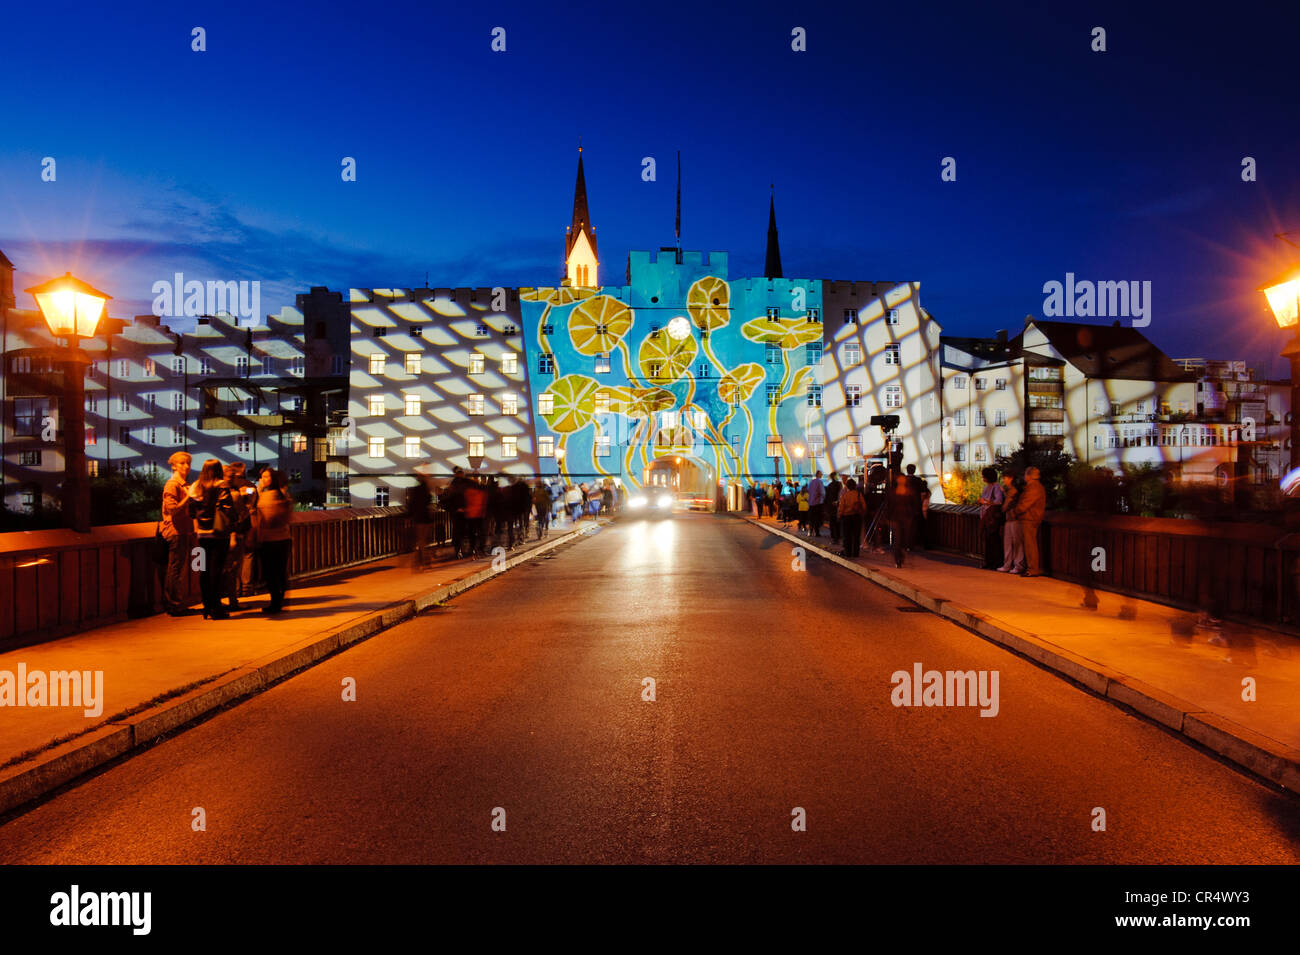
(57, 582)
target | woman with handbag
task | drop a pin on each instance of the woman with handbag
(212, 505)
(271, 521)
(991, 519)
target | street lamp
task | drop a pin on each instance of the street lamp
(798, 453)
(72, 309)
(1284, 300)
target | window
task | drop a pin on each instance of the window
(603, 445)
(1114, 409)
(999, 384)
(774, 311)
(548, 328)
(702, 370)
(816, 444)
(980, 420)
(893, 396)
(380, 331)
(701, 420)
(892, 355)
(959, 453)
(298, 365)
(243, 444)
(1141, 407)
(999, 418)
(510, 363)
(339, 365)
(1046, 401)
(773, 394)
(814, 396)
(476, 445)
(29, 459)
(413, 363)
(510, 403)
(417, 331)
(1044, 373)
(1002, 450)
(150, 368)
(959, 417)
(602, 402)
(602, 363)
(412, 404)
(509, 330)
(655, 369)
(852, 396)
(959, 383)
(29, 497)
(480, 329)
(375, 447)
(123, 435)
(476, 404)
(28, 415)
(773, 445)
(123, 403)
(546, 364)
(153, 435)
(376, 363)
(773, 354)
(981, 454)
(299, 444)
(545, 446)
(375, 405)
(178, 435)
(891, 317)
(850, 316)
(852, 354)
(21, 365)
(813, 353)
(477, 363)
(381, 496)
(92, 468)
(241, 366)
(1053, 428)
(336, 489)
(250, 406)
(854, 442)
(815, 315)
(979, 384)
(178, 366)
(546, 403)
(411, 446)
(123, 368)
(268, 365)
(91, 437)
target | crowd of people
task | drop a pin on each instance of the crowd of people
(227, 526)
(890, 513)
(486, 512)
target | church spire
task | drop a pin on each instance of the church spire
(772, 266)
(580, 240)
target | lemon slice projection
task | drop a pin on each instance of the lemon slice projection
(556, 296)
(573, 402)
(709, 302)
(739, 383)
(599, 324)
(786, 332)
(664, 358)
(645, 402)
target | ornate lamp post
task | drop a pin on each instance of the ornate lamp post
(1284, 300)
(72, 309)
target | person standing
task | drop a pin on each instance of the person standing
(273, 512)
(816, 504)
(419, 501)
(542, 503)
(1029, 512)
(920, 497)
(1013, 548)
(177, 528)
(452, 500)
(991, 519)
(237, 578)
(607, 497)
(832, 508)
(851, 508)
(212, 506)
(802, 508)
(901, 511)
(573, 501)
(477, 500)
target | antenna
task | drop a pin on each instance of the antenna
(677, 227)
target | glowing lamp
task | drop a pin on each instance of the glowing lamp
(798, 452)
(679, 328)
(71, 308)
(1284, 299)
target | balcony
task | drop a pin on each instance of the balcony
(240, 422)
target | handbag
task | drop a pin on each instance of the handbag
(161, 548)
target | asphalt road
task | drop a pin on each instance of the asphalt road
(773, 691)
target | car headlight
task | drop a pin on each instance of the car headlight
(636, 502)
(665, 500)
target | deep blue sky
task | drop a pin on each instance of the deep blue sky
(225, 164)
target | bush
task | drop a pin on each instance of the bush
(130, 499)
(1053, 470)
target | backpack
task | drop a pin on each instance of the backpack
(226, 513)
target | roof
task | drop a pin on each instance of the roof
(4, 260)
(1111, 351)
(772, 261)
(581, 217)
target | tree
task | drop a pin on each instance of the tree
(1053, 469)
(125, 499)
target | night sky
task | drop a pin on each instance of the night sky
(226, 164)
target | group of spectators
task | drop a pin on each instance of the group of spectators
(1009, 518)
(227, 525)
(485, 512)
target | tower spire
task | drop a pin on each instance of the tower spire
(772, 265)
(580, 259)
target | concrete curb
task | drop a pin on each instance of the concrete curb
(52, 768)
(1263, 756)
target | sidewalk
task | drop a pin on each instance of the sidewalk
(200, 665)
(1142, 654)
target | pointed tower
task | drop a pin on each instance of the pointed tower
(580, 261)
(772, 265)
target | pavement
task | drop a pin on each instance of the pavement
(161, 673)
(668, 691)
(1238, 696)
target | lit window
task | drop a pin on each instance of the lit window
(412, 449)
(602, 363)
(413, 363)
(376, 405)
(854, 446)
(892, 355)
(377, 363)
(852, 354)
(816, 445)
(546, 446)
(981, 453)
(509, 363)
(655, 368)
(603, 445)
(476, 445)
(149, 368)
(668, 419)
(773, 445)
(299, 444)
(90, 436)
(509, 446)
(412, 404)
(852, 395)
(546, 403)
(375, 447)
(893, 396)
(1002, 450)
(773, 394)
(475, 404)
(92, 468)
(602, 402)
(510, 403)
(477, 363)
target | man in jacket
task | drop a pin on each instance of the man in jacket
(238, 575)
(1029, 509)
(852, 506)
(816, 504)
(832, 507)
(177, 527)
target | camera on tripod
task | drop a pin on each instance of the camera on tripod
(888, 423)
